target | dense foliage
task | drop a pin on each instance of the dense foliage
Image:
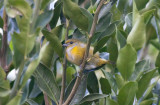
(31, 52)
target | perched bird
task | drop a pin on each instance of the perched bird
(75, 51)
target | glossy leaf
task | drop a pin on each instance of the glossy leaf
(126, 61)
(105, 86)
(119, 80)
(127, 93)
(92, 83)
(110, 102)
(137, 36)
(72, 11)
(157, 64)
(69, 74)
(111, 80)
(156, 44)
(32, 66)
(4, 84)
(46, 81)
(92, 97)
(53, 39)
(56, 14)
(18, 7)
(140, 67)
(146, 102)
(81, 91)
(16, 100)
(43, 19)
(141, 4)
(45, 3)
(121, 41)
(144, 82)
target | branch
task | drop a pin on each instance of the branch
(3, 51)
(78, 80)
(64, 67)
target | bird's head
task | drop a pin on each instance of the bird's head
(71, 42)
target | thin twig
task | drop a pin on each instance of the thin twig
(47, 100)
(78, 80)
(3, 51)
(64, 67)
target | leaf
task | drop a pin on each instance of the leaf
(1, 22)
(81, 91)
(124, 6)
(32, 66)
(116, 13)
(144, 82)
(111, 80)
(121, 40)
(72, 11)
(157, 64)
(156, 44)
(137, 36)
(47, 82)
(43, 19)
(112, 49)
(53, 39)
(119, 80)
(56, 14)
(140, 67)
(127, 93)
(4, 84)
(92, 83)
(126, 61)
(45, 3)
(146, 102)
(105, 86)
(141, 4)
(110, 102)
(69, 74)
(18, 7)
(16, 100)
(92, 97)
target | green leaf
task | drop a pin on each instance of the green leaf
(18, 7)
(121, 40)
(137, 36)
(148, 15)
(144, 82)
(4, 84)
(111, 80)
(16, 100)
(43, 19)
(72, 11)
(156, 44)
(119, 80)
(45, 3)
(146, 102)
(157, 64)
(32, 66)
(56, 14)
(1, 22)
(124, 6)
(81, 91)
(92, 97)
(47, 82)
(116, 13)
(101, 43)
(140, 67)
(127, 93)
(126, 61)
(110, 102)
(53, 39)
(69, 74)
(141, 4)
(112, 49)
(105, 86)
(92, 83)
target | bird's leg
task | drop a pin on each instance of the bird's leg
(88, 59)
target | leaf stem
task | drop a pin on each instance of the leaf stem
(64, 67)
(78, 80)
(16, 83)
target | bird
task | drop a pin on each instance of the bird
(75, 51)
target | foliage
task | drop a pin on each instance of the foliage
(128, 31)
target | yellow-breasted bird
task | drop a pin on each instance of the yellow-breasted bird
(75, 51)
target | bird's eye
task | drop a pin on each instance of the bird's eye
(71, 42)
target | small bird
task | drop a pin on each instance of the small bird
(75, 51)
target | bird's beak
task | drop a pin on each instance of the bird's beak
(65, 45)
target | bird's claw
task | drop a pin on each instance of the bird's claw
(88, 59)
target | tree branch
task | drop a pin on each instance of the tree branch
(64, 67)
(78, 80)
(3, 51)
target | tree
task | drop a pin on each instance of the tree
(31, 45)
